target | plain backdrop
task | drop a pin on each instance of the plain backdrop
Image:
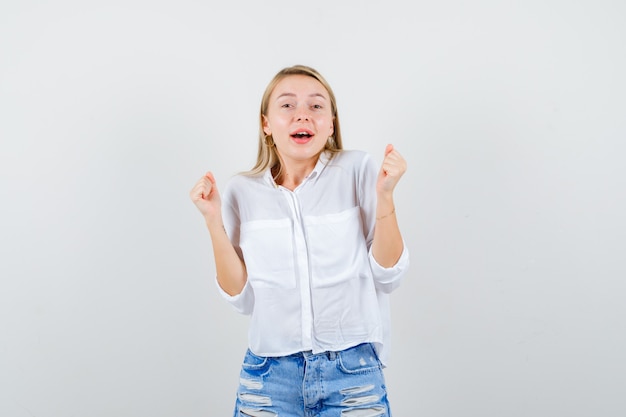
(511, 116)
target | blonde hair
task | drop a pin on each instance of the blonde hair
(267, 156)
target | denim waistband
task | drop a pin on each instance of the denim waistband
(330, 354)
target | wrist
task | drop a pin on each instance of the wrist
(214, 224)
(385, 207)
(389, 214)
(385, 196)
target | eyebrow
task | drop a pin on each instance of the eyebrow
(293, 95)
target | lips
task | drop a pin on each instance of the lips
(302, 135)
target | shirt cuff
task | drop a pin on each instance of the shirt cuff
(388, 279)
(242, 302)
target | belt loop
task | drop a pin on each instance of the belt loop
(331, 355)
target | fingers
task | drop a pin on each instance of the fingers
(203, 188)
(393, 164)
(392, 168)
(210, 176)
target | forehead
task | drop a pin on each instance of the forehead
(299, 85)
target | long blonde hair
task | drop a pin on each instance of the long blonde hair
(267, 156)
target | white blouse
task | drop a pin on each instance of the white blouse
(313, 283)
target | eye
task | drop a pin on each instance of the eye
(318, 106)
(286, 105)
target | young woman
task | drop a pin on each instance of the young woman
(308, 244)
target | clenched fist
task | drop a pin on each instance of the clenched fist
(206, 197)
(392, 168)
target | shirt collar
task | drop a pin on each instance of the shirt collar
(322, 161)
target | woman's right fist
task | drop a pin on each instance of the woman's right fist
(206, 197)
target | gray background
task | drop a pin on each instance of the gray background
(511, 118)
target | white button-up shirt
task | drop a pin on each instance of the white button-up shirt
(313, 283)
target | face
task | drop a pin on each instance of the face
(299, 118)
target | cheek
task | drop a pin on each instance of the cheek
(273, 125)
(325, 124)
(279, 122)
(331, 129)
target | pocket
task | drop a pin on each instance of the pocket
(359, 359)
(255, 365)
(267, 247)
(336, 246)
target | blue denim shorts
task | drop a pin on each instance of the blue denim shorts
(347, 383)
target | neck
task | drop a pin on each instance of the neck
(293, 175)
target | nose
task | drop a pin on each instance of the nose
(302, 115)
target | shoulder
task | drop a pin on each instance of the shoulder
(240, 184)
(243, 179)
(352, 165)
(351, 157)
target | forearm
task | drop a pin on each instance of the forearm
(231, 270)
(387, 245)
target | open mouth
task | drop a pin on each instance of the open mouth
(302, 135)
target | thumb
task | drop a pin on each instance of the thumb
(211, 178)
(383, 171)
(212, 190)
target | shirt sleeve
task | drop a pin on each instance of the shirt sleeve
(388, 279)
(385, 279)
(244, 301)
